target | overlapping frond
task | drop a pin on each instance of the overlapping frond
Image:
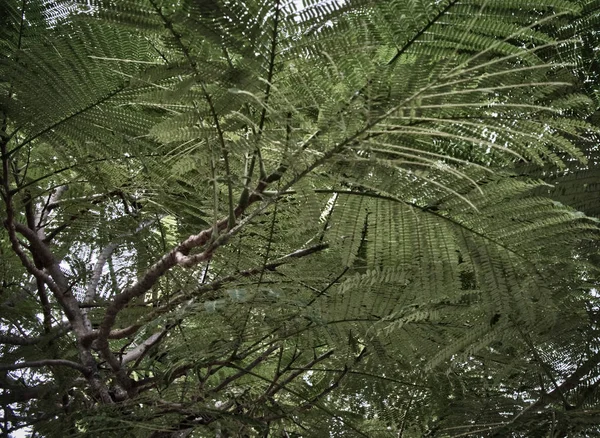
(393, 202)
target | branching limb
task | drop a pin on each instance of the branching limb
(245, 370)
(557, 394)
(326, 391)
(42, 251)
(42, 215)
(218, 283)
(60, 228)
(294, 374)
(9, 223)
(140, 351)
(57, 283)
(90, 293)
(544, 366)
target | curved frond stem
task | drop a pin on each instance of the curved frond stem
(415, 153)
(442, 186)
(491, 47)
(68, 118)
(400, 129)
(424, 162)
(424, 29)
(487, 75)
(372, 194)
(497, 88)
(184, 148)
(271, 67)
(454, 121)
(194, 65)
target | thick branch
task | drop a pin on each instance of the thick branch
(141, 350)
(58, 282)
(172, 258)
(43, 252)
(97, 272)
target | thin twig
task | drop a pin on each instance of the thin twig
(44, 363)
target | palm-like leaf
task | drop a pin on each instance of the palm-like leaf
(381, 208)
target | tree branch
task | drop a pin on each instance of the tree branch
(245, 370)
(279, 386)
(140, 351)
(217, 284)
(45, 363)
(20, 340)
(69, 117)
(570, 383)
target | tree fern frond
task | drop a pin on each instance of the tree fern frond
(318, 218)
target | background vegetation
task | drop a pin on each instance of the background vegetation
(283, 219)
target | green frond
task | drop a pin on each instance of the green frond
(282, 218)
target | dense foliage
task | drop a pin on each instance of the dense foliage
(280, 218)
